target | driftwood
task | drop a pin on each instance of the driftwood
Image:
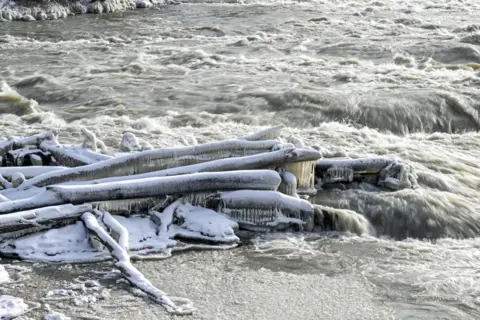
(264, 210)
(153, 160)
(131, 274)
(43, 218)
(270, 160)
(150, 187)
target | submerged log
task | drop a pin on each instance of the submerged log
(131, 274)
(152, 160)
(150, 187)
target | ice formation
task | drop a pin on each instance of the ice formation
(75, 204)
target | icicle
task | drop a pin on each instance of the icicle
(127, 207)
(264, 208)
(305, 174)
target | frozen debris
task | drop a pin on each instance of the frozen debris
(4, 277)
(20, 142)
(127, 207)
(305, 173)
(153, 160)
(270, 160)
(296, 141)
(72, 156)
(172, 305)
(130, 142)
(91, 141)
(204, 224)
(11, 307)
(380, 171)
(264, 210)
(41, 219)
(149, 187)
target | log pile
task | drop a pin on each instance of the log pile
(256, 183)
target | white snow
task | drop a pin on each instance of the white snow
(11, 307)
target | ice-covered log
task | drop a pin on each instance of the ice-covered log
(43, 218)
(72, 156)
(26, 156)
(177, 305)
(21, 142)
(272, 133)
(149, 187)
(153, 160)
(29, 172)
(127, 206)
(381, 171)
(270, 160)
(264, 209)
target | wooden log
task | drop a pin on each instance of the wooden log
(152, 160)
(136, 278)
(149, 187)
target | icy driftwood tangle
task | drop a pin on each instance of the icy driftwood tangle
(153, 160)
(379, 171)
(150, 187)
